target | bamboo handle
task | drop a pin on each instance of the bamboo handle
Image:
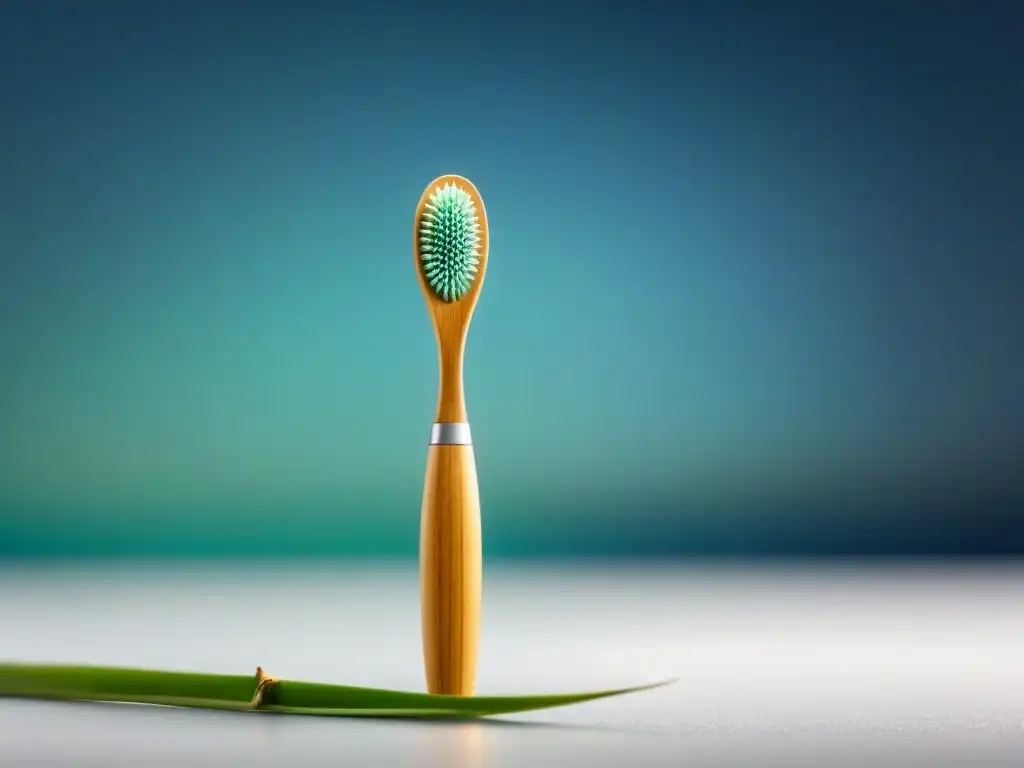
(451, 569)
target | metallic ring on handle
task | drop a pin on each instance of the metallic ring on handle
(451, 433)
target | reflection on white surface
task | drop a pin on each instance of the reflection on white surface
(853, 662)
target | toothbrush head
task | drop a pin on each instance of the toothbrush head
(449, 241)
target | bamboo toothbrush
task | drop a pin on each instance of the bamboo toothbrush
(450, 253)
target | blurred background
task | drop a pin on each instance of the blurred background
(755, 280)
(754, 294)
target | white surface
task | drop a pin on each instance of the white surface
(850, 665)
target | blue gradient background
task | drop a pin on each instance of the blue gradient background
(755, 281)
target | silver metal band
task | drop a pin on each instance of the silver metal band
(450, 433)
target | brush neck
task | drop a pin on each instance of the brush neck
(451, 400)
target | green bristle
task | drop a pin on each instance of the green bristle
(449, 242)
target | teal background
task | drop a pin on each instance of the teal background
(754, 284)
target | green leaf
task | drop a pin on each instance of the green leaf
(235, 692)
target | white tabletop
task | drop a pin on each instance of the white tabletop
(778, 665)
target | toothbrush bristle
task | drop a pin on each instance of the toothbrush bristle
(449, 242)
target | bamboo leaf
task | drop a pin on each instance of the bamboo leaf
(236, 693)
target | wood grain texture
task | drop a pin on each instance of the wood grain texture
(451, 570)
(451, 319)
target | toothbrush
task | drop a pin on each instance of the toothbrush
(450, 253)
